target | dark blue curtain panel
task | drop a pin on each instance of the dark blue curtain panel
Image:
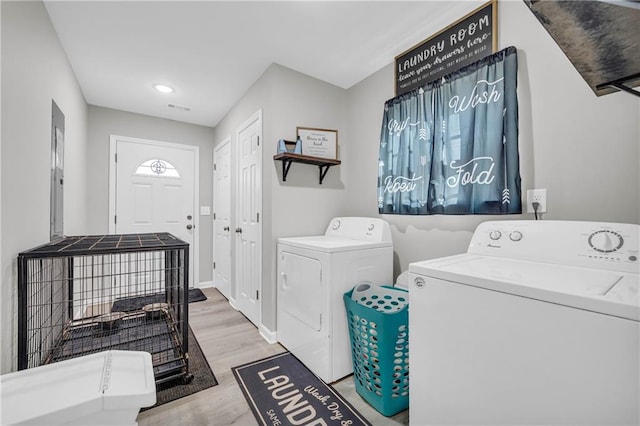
(451, 146)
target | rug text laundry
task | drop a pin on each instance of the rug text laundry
(294, 405)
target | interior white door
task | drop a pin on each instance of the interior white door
(155, 191)
(222, 219)
(248, 252)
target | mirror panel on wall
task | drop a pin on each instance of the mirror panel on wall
(57, 171)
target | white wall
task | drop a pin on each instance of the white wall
(299, 206)
(35, 70)
(104, 122)
(583, 149)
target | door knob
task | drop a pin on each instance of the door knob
(190, 226)
(239, 230)
(226, 228)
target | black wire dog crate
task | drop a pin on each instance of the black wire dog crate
(85, 294)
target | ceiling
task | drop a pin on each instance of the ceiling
(211, 52)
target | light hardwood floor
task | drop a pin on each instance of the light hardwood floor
(228, 339)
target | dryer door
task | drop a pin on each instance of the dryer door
(300, 288)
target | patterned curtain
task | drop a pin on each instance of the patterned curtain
(451, 146)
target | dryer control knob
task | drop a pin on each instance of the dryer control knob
(495, 235)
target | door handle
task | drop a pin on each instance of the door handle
(190, 226)
(239, 230)
(226, 228)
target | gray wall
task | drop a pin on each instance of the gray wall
(583, 149)
(104, 122)
(299, 206)
(34, 71)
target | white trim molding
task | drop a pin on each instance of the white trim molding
(268, 335)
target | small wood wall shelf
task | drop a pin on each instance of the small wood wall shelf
(288, 157)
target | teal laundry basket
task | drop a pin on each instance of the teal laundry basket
(379, 330)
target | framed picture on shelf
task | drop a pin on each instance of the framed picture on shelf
(321, 143)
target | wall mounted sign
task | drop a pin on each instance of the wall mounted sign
(461, 43)
(321, 143)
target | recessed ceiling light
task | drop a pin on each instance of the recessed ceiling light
(163, 88)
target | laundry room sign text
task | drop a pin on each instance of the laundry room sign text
(462, 43)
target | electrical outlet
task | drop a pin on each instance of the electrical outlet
(538, 196)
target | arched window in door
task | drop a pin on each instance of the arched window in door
(157, 167)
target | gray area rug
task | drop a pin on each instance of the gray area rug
(203, 377)
(281, 391)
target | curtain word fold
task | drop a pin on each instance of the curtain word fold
(451, 146)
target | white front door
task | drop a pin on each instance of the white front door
(153, 189)
(222, 219)
(248, 231)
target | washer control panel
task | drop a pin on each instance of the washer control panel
(360, 228)
(606, 241)
(612, 246)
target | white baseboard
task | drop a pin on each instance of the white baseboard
(204, 284)
(268, 335)
(233, 304)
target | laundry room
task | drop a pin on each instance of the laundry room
(85, 137)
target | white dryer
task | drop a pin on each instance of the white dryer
(538, 323)
(313, 274)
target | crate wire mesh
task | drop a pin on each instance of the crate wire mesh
(82, 295)
(378, 320)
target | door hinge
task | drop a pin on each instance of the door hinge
(214, 167)
(115, 219)
(116, 157)
(258, 140)
(257, 294)
(258, 217)
(214, 216)
(214, 265)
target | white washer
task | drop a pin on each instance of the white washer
(313, 274)
(538, 323)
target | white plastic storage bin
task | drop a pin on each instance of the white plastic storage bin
(106, 388)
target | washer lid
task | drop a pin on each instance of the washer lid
(607, 292)
(332, 244)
